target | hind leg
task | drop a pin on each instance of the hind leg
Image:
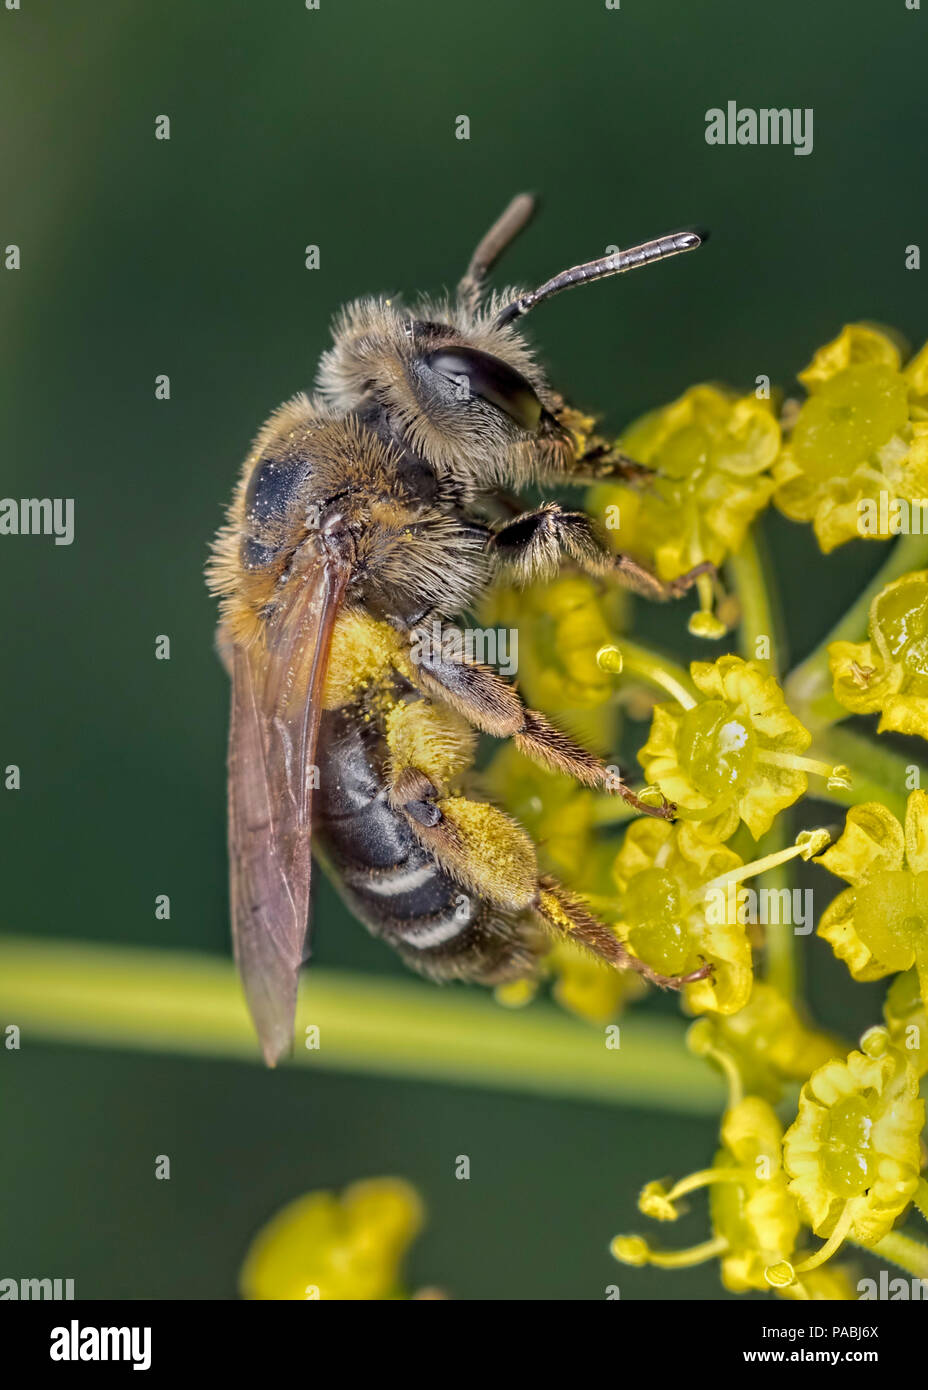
(504, 900)
(495, 862)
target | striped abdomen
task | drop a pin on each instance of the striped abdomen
(391, 884)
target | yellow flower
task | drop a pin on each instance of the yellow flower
(589, 987)
(326, 1246)
(907, 1019)
(860, 440)
(755, 1222)
(880, 924)
(561, 625)
(853, 1152)
(662, 872)
(889, 673)
(767, 1042)
(711, 451)
(678, 907)
(755, 1214)
(733, 754)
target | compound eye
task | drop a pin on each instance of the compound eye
(492, 380)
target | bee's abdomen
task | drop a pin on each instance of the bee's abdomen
(389, 881)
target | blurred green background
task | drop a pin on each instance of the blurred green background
(141, 257)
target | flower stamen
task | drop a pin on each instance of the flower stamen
(776, 1275)
(838, 777)
(809, 843)
(657, 1202)
(633, 1250)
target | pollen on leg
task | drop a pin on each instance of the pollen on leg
(478, 845)
(568, 915)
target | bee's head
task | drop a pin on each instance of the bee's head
(457, 382)
(460, 392)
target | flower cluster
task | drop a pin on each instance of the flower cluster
(845, 1170)
(736, 757)
(843, 460)
(888, 674)
(711, 453)
(860, 440)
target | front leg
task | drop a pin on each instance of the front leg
(573, 454)
(608, 465)
(535, 544)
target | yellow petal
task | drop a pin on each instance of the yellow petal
(872, 839)
(856, 345)
(836, 926)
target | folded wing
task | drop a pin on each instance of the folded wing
(277, 687)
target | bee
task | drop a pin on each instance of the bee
(365, 515)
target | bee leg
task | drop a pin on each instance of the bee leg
(569, 917)
(478, 845)
(485, 700)
(491, 856)
(536, 544)
(569, 451)
(413, 793)
(604, 464)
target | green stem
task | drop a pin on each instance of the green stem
(752, 576)
(902, 1250)
(809, 685)
(179, 1002)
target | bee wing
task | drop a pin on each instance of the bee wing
(277, 687)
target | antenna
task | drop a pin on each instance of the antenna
(672, 245)
(506, 227)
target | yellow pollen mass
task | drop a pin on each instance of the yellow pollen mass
(363, 651)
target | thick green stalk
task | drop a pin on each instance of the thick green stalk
(178, 1002)
(909, 1254)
